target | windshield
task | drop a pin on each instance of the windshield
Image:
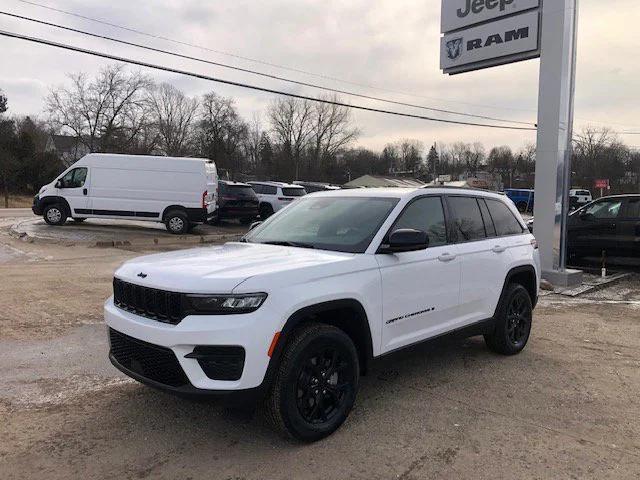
(328, 223)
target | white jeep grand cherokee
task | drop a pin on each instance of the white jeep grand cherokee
(295, 312)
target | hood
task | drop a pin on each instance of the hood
(220, 269)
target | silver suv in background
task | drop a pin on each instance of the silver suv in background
(275, 195)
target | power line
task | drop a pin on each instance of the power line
(245, 85)
(261, 62)
(254, 72)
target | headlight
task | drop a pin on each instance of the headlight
(224, 304)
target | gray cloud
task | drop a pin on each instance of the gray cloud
(392, 45)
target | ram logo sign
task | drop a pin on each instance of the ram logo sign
(503, 41)
(454, 48)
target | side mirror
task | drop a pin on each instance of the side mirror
(406, 240)
(254, 225)
(59, 184)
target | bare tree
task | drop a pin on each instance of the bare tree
(253, 141)
(292, 125)
(174, 117)
(410, 152)
(3, 103)
(221, 132)
(332, 129)
(105, 114)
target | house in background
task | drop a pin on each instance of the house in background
(68, 148)
(371, 181)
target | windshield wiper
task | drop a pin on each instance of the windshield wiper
(286, 243)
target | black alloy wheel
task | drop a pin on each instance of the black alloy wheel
(512, 323)
(323, 385)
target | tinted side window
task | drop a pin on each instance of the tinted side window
(503, 218)
(269, 189)
(605, 209)
(74, 178)
(633, 208)
(488, 222)
(425, 214)
(257, 188)
(467, 219)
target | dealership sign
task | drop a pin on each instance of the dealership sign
(486, 33)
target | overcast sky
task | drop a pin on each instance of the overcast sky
(390, 45)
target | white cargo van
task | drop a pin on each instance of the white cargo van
(179, 192)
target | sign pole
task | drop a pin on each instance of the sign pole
(555, 134)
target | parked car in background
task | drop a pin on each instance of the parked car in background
(275, 195)
(580, 197)
(311, 187)
(522, 198)
(609, 224)
(237, 201)
(179, 192)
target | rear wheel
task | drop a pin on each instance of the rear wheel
(177, 222)
(512, 323)
(316, 383)
(266, 210)
(55, 214)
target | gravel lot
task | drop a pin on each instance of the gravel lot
(565, 408)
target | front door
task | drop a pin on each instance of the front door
(593, 229)
(73, 186)
(420, 290)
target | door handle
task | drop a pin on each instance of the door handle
(84, 191)
(447, 257)
(498, 249)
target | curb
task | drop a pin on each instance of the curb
(148, 241)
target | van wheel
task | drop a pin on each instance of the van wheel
(315, 386)
(176, 222)
(55, 214)
(79, 220)
(266, 210)
(512, 323)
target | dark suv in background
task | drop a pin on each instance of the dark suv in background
(610, 224)
(237, 200)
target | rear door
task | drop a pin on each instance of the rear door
(629, 228)
(483, 255)
(420, 290)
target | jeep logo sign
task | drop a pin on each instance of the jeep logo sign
(507, 40)
(458, 14)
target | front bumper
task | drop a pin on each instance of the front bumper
(36, 208)
(249, 331)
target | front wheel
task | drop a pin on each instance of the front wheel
(55, 214)
(316, 383)
(512, 323)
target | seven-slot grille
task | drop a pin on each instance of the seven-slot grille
(148, 302)
(150, 361)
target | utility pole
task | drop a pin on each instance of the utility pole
(555, 134)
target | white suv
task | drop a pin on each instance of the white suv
(295, 312)
(274, 196)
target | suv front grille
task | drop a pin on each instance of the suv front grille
(148, 302)
(150, 361)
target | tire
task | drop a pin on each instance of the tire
(512, 323)
(79, 220)
(297, 404)
(266, 210)
(55, 214)
(176, 222)
(246, 220)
